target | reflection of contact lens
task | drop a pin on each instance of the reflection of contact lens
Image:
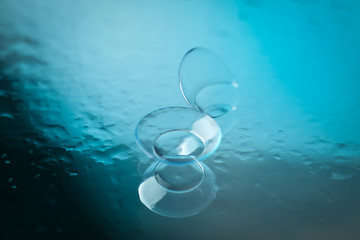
(178, 135)
(179, 177)
(184, 198)
(208, 86)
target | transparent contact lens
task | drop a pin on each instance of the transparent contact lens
(178, 184)
(177, 135)
(177, 190)
(208, 86)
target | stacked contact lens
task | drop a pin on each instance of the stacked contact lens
(179, 139)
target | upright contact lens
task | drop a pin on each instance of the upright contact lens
(208, 86)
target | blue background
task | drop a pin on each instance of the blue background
(76, 76)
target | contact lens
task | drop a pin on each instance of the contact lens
(178, 135)
(208, 86)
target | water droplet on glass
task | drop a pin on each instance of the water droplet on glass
(340, 176)
(6, 115)
(72, 173)
(308, 161)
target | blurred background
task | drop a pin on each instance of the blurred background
(76, 76)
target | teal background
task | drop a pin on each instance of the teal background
(76, 76)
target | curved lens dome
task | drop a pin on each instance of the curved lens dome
(178, 135)
(208, 86)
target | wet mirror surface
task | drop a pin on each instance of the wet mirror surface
(76, 77)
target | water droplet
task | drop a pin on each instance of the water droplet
(296, 153)
(219, 161)
(6, 115)
(343, 159)
(308, 161)
(340, 176)
(222, 168)
(72, 173)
